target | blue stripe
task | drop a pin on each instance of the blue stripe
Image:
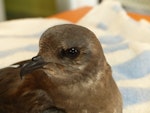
(134, 68)
(133, 96)
(102, 26)
(32, 48)
(114, 48)
(110, 40)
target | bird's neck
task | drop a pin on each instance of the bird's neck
(91, 75)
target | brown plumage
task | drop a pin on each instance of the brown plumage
(69, 75)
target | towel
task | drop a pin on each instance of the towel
(19, 39)
(126, 45)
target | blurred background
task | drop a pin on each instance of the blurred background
(13, 9)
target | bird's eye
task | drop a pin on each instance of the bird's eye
(71, 53)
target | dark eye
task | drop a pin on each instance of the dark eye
(71, 53)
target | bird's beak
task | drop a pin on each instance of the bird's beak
(36, 63)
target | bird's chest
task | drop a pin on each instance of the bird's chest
(77, 99)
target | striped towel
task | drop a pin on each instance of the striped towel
(19, 38)
(126, 44)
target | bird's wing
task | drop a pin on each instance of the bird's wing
(28, 94)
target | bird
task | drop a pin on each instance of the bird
(69, 74)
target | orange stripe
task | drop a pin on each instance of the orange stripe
(139, 16)
(73, 15)
(77, 14)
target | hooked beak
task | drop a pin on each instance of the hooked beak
(36, 63)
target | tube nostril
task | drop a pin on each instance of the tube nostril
(36, 58)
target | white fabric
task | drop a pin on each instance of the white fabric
(126, 44)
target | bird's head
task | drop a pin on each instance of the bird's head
(67, 51)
